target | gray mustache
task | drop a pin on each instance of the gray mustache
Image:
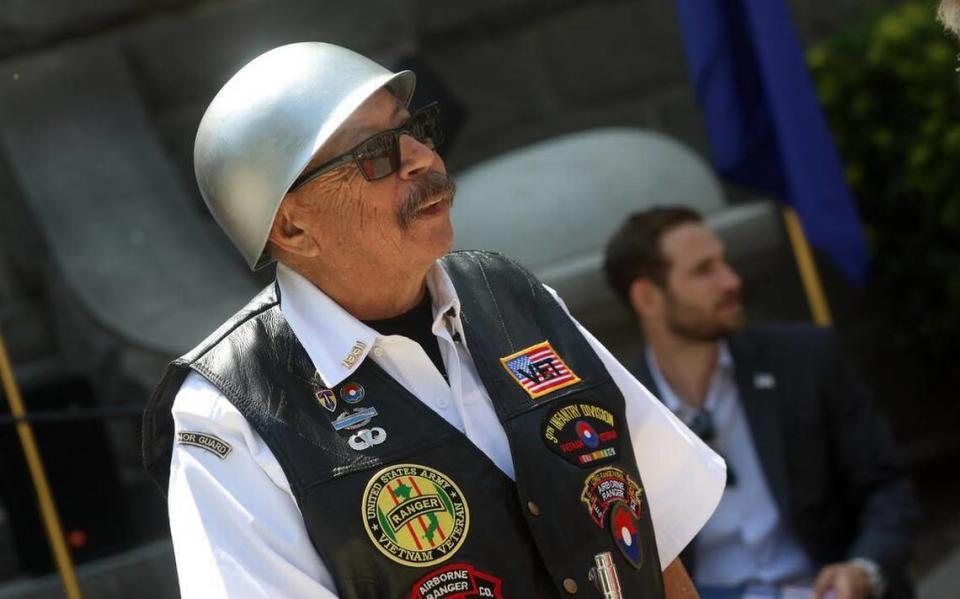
(423, 192)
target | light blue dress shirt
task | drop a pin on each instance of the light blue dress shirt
(745, 541)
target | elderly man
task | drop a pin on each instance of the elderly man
(387, 420)
(814, 495)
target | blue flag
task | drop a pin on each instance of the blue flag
(765, 125)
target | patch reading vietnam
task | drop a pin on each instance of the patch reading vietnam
(211, 443)
(539, 370)
(415, 515)
(607, 486)
(457, 581)
(584, 434)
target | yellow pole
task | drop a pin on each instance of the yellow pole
(47, 508)
(816, 298)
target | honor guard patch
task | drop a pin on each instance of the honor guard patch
(211, 443)
(352, 393)
(582, 433)
(457, 581)
(327, 400)
(607, 486)
(603, 575)
(539, 370)
(625, 528)
(415, 515)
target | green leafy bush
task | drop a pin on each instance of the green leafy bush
(891, 92)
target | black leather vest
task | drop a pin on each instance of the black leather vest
(397, 502)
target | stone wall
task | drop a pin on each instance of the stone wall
(524, 71)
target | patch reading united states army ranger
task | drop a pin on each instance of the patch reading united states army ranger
(539, 370)
(457, 581)
(211, 443)
(415, 515)
(582, 433)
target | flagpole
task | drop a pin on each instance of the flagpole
(809, 275)
(47, 508)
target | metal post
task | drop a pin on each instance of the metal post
(48, 509)
(812, 287)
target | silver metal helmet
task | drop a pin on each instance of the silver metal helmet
(268, 121)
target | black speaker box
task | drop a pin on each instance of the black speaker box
(82, 475)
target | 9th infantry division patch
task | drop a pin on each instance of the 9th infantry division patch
(211, 443)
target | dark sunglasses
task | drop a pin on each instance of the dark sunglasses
(379, 155)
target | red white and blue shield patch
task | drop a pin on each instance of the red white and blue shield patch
(539, 370)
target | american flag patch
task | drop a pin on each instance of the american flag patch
(539, 370)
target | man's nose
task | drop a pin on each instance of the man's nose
(731, 280)
(415, 157)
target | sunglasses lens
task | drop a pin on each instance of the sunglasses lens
(379, 156)
(425, 126)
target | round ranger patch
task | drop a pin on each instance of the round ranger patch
(415, 515)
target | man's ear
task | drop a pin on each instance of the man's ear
(646, 297)
(288, 233)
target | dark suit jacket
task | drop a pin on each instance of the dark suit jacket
(827, 456)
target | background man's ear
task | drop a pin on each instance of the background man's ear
(645, 297)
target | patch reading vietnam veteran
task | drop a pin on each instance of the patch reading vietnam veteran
(539, 370)
(457, 581)
(583, 433)
(415, 515)
(607, 486)
(211, 443)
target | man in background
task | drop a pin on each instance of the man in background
(814, 496)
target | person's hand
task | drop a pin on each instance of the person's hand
(846, 580)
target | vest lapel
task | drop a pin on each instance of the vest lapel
(759, 396)
(646, 377)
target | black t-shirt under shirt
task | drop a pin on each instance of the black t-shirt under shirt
(416, 324)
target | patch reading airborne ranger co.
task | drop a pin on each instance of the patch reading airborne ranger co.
(457, 581)
(539, 370)
(415, 515)
(583, 433)
(211, 443)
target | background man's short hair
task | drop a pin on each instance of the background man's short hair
(634, 250)
(949, 14)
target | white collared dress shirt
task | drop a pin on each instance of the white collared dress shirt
(236, 528)
(746, 540)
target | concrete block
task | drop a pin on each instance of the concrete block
(608, 50)
(502, 85)
(677, 113)
(26, 23)
(188, 57)
(454, 20)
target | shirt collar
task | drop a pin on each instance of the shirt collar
(667, 395)
(336, 341)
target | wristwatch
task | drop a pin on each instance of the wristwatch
(878, 584)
